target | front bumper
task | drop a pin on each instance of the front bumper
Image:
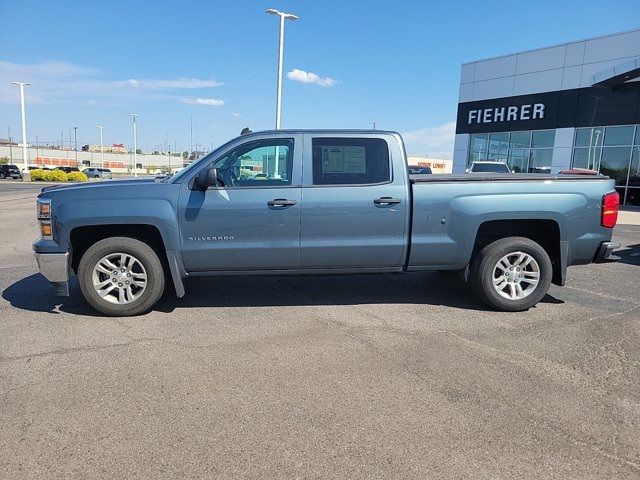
(605, 252)
(55, 268)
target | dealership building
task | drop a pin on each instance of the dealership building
(575, 105)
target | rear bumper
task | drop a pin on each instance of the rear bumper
(55, 268)
(605, 252)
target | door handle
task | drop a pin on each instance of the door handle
(281, 202)
(386, 201)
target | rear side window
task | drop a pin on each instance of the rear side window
(355, 161)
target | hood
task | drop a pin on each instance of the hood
(101, 184)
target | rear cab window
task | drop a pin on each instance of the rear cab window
(350, 161)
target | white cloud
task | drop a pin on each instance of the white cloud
(301, 76)
(209, 102)
(54, 81)
(432, 141)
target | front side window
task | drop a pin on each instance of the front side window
(355, 161)
(261, 163)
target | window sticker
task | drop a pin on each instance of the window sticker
(343, 159)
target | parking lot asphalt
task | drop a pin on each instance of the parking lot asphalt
(376, 376)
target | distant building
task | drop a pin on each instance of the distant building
(115, 148)
(437, 165)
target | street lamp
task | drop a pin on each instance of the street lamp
(135, 145)
(283, 16)
(24, 125)
(75, 142)
(101, 145)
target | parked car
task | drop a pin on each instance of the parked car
(488, 167)
(94, 172)
(419, 170)
(67, 169)
(335, 202)
(9, 171)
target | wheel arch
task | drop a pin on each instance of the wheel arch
(83, 237)
(545, 232)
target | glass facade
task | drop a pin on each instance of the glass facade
(525, 152)
(612, 151)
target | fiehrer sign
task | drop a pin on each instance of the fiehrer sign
(512, 113)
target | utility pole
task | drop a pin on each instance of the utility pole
(101, 145)
(75, 142)
(135, 145)
(191, 135)
(375, 123)
(25, 160)
(10, 146)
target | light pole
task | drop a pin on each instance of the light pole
(135, 145)
(75, 142)
(283, 16)
(24, 125)
(101, 145)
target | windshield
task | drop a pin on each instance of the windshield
(491, 167)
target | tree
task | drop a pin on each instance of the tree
(185, 154)
(138, 151)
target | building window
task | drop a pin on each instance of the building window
(525, 152)
(612, 151)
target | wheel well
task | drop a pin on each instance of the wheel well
(84, 237)
(544, 232)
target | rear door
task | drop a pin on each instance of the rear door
(253, 221)
(355, 212)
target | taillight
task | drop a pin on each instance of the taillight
(610, 207)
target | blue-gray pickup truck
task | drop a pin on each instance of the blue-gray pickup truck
(320, 202)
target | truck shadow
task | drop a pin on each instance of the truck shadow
(35, 294)
(629, 254)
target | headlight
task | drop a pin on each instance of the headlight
(43, 212)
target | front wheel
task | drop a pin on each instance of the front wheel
(121, 276)
(512, 274)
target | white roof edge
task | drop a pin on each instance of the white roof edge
(551, 46)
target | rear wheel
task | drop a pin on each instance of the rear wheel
(121, 276)
(512, 274)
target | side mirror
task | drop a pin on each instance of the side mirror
(466, 170)
(206, 178)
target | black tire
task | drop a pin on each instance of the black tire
(484, 265)
(130, 246)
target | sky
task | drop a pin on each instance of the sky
(213, 64)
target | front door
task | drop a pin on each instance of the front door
(252, 220)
